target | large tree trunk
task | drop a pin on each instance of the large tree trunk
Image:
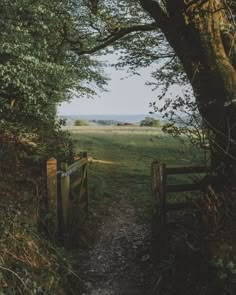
(199, 32)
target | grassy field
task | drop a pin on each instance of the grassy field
(120, 161)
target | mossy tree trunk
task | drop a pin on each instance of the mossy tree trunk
(200, 32)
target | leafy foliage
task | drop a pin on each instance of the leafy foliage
(37, 68)
(24, 146)
(184, 119)
(150, 122)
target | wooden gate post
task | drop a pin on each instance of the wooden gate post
(85, 170)
(52, 219)
(163, 194)
(159, 192)
(155, 187)
(65, 194)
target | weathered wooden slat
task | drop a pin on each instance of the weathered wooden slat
(52, 198)
(159, 193)
(175, 188)
(65, 193)
(79, 163)
(163, 193)
(75, 183)
(83, 182)
(74, 167)
(155, 174)
(82, 194)
(86, 188)
(187, 170)
(71, 190)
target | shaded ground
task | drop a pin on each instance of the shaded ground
(120, 261)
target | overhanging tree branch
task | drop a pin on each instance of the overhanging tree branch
(119, 34)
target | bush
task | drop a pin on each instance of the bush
(150, 122)
(80, 123)
(30, 146)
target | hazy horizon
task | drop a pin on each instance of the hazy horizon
(107, 114)
(132, 118)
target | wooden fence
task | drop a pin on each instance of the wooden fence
(67, 193)
(161, 188)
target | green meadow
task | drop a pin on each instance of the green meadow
(120, 163)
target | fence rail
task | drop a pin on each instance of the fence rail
(161, 188)
(186, 170)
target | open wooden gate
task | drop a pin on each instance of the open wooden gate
(67, 191)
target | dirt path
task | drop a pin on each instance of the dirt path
(120, 261)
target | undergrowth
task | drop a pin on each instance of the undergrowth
(29, 264)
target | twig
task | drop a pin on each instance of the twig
(16, 275)
(157, 283)
(13, 256)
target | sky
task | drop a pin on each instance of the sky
(127, 96)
